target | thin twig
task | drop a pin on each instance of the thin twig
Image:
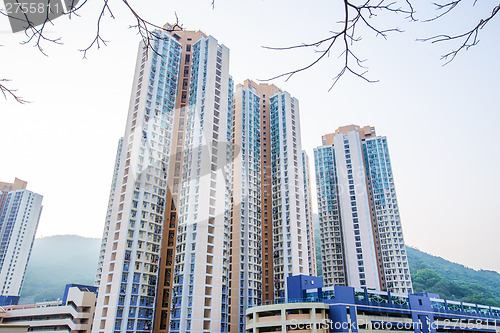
(469, 38)
(354, 15)
(11, 92)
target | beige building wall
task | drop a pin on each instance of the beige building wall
(18, 184)
(364, 132)
(288, 317)
(74, 316)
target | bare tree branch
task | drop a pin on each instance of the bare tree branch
(10, 92)
(446, 8)
(146, 29)
(98, 39)
(35, 33)
(355, 15)
(467, 39)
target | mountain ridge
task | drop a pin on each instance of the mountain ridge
(58, 260)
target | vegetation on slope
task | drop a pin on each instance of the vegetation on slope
(453, 281)
(56, 261)
(436, 275)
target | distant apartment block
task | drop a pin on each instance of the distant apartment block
(361, 235)
(19, 216)
(71, 314)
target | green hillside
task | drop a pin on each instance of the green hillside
(436, 275)
(453, 281)
(56, 261)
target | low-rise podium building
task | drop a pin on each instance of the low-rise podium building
(310, 308)
(74, 313)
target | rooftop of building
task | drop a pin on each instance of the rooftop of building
(364, 132)
(179, 33)
(18, 184)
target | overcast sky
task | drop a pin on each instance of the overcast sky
(441, 122)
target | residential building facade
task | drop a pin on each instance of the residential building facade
(201, 273)
(290, 242)
(19, 217)
(109, 213)
(265, 91)
(201, 206)
(245, 262)
(361, 235)
(164, 305)
(128, 265)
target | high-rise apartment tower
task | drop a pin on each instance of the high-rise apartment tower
(246, 239)
(201, 272)
(128, 264)
(361, 235)
(205, 218)
(290, 223)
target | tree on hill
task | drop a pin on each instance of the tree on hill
(428, 280)
(453, 281)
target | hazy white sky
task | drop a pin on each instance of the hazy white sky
(441, 122)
